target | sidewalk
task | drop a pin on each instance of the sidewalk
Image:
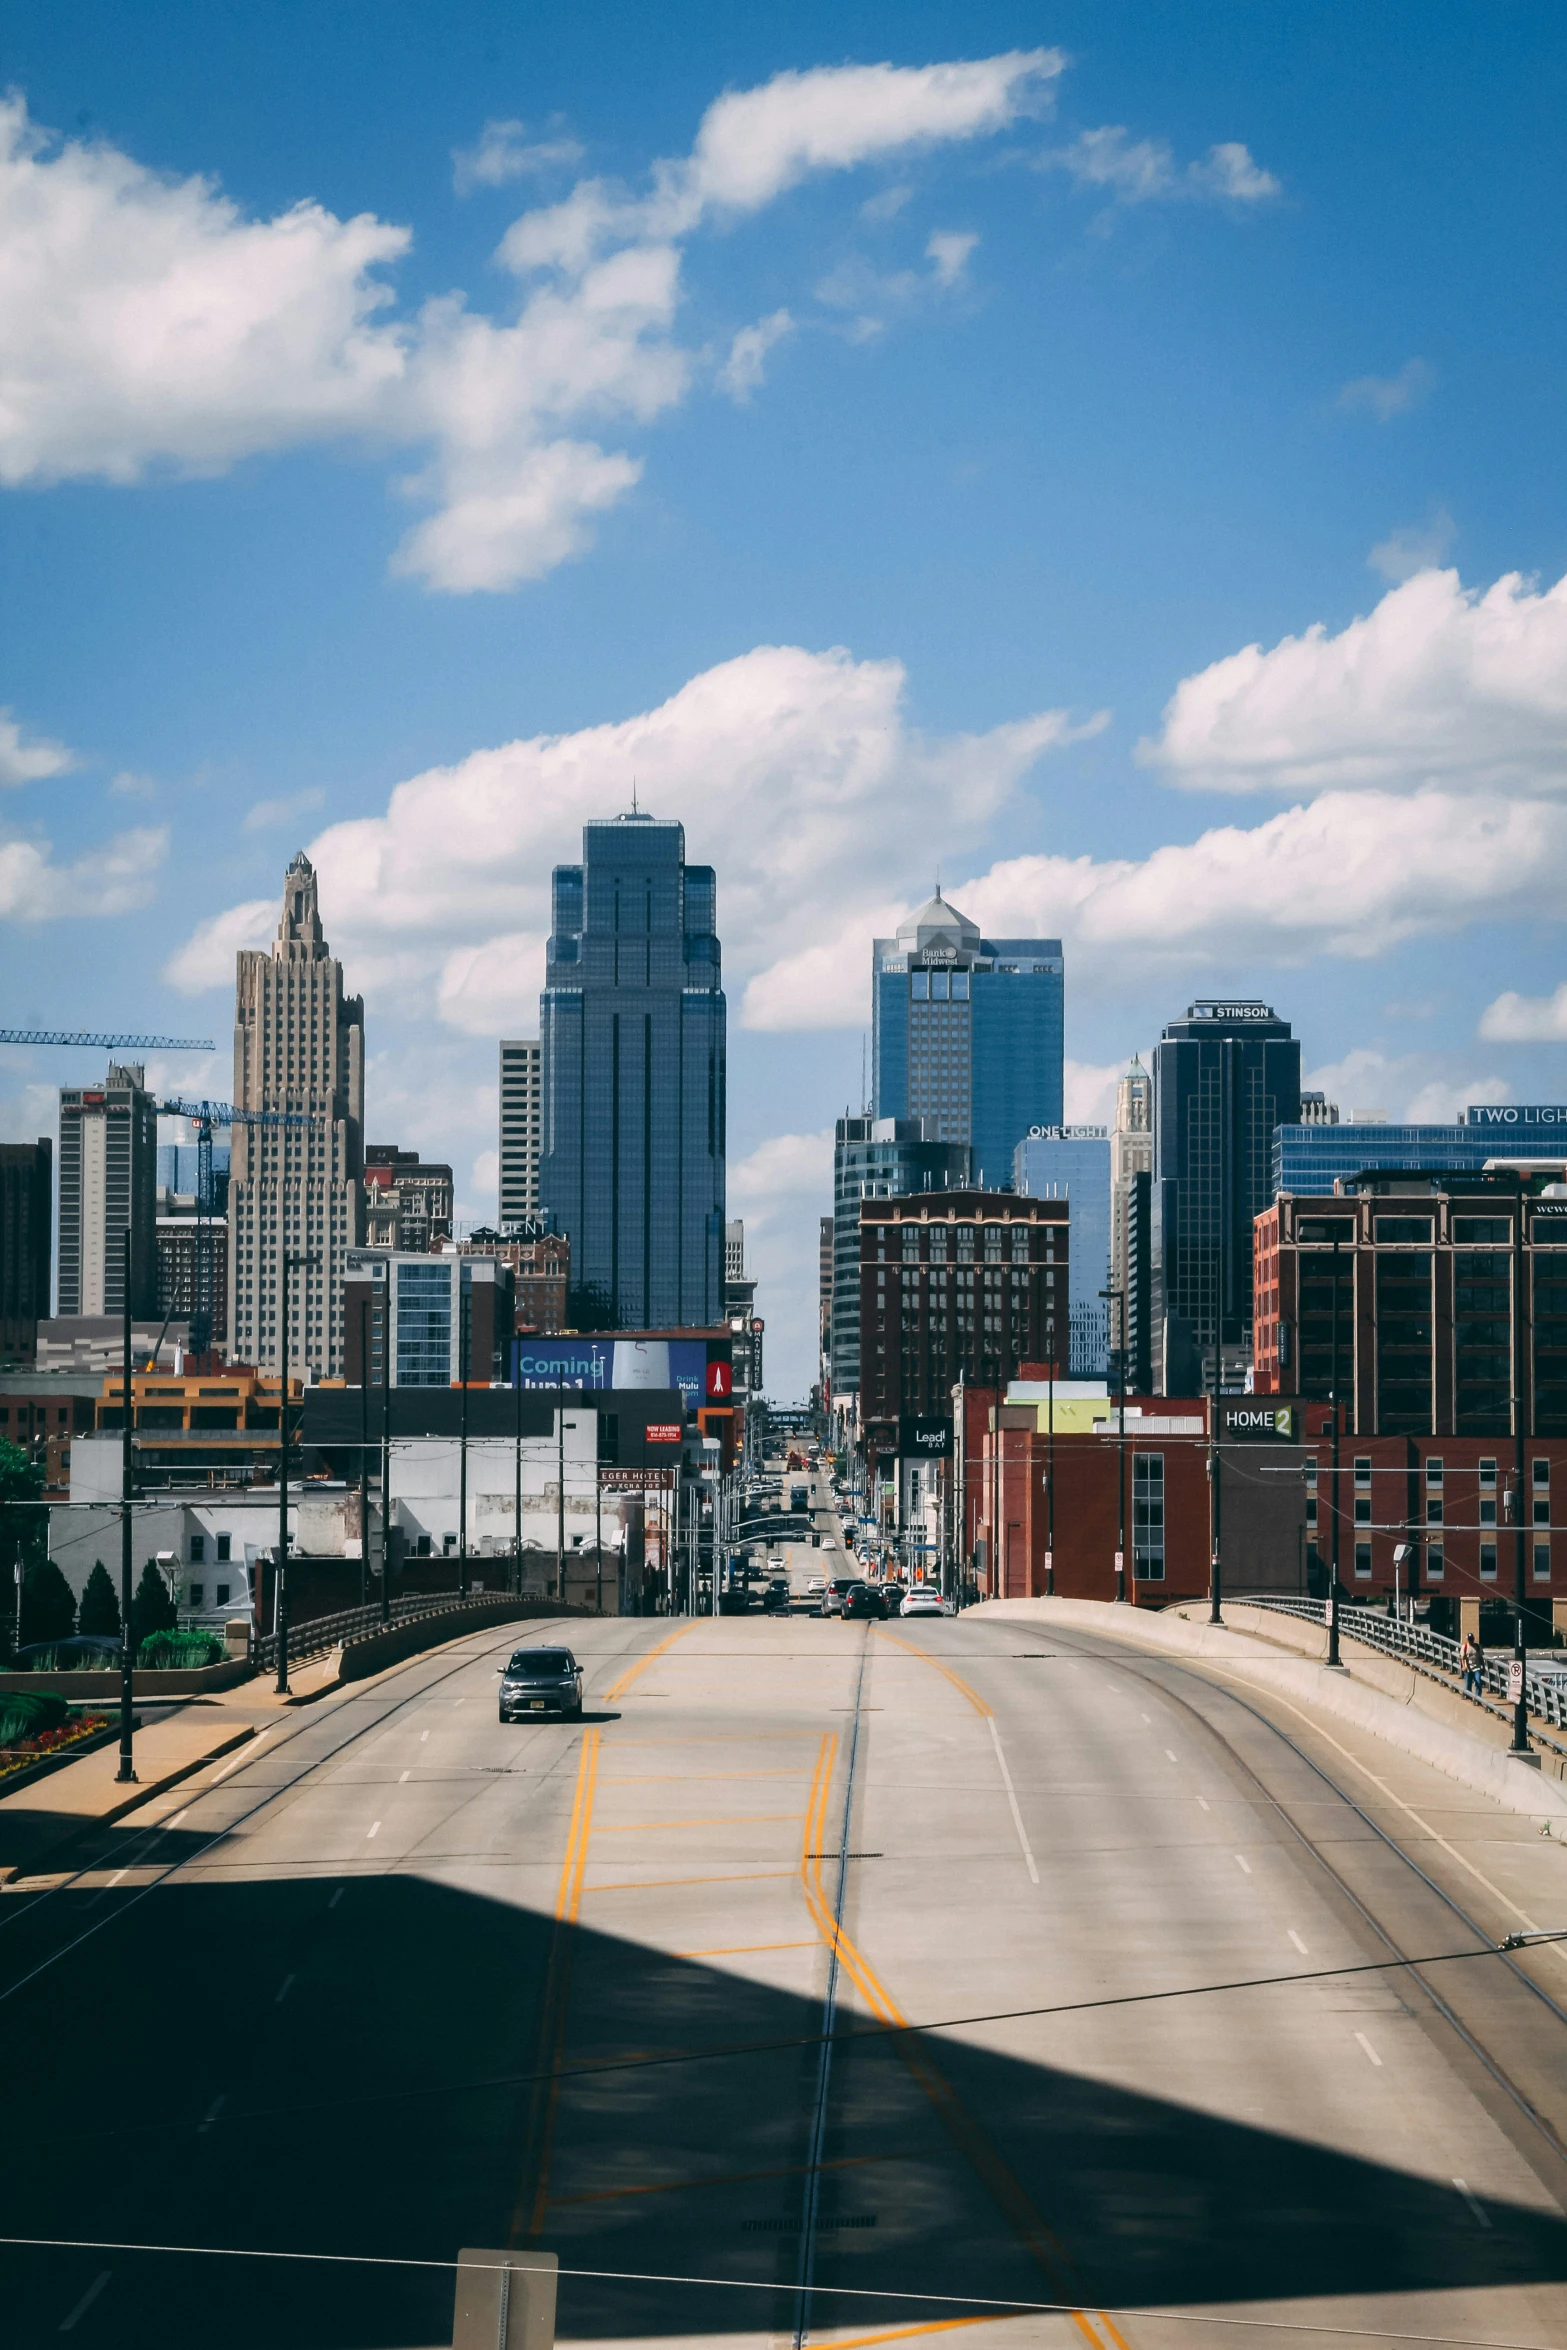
(39, 1823)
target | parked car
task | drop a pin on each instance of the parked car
(835, 1594)
(923, 1600)
(863, 1600)
(541, 1681)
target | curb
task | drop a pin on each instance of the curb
(142, 1793)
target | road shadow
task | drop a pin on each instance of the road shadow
(353, 2066)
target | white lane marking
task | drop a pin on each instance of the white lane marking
(402, 1776)
(1017, 1816)
(87, 2300)
(375, 1830)
(1148, 1718)
(1241, 1862)
(1202, 1804)
(1168, 1755)
(1473, 2201)
(243, 1756)
(211, 2115)
(1370, 2051)
(423, 1735)
(118, 1874)
(1299, 1944)
(179, 1815)
(336, 1898)
(284, 1989)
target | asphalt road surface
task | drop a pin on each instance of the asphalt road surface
(636, 1990)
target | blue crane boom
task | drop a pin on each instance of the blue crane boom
(89, 1036)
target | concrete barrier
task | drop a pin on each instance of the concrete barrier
(374, 1650)
(1374, 1693)
(105, 1687)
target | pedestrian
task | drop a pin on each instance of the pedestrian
(1470, 1658)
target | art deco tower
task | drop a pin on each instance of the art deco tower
(296, 1190)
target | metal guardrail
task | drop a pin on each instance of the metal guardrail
(1545, 1693)
(319, 1633)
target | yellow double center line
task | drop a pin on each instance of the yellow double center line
(1046, 2248)
(557, 1995)
(619, 1687)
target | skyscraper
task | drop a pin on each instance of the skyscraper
(875, 1158)
(1131, 1156)
(632, 1034)
(1072, 1163)
(108, 1180)
(26, 1244)
(299, 1046)
(521, 1114)
(1224, 1078)
(966, 1033)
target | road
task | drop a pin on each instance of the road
(404, 1980)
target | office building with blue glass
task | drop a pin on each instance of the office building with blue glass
(1310, 1160)
(1073, 1163)
(632, 1033)
(967, 1033)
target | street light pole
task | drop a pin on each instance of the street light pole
(516, 1536)
(1215, 1615)
(364, 1452)
(127, 1769)
(386, 1449)
(287, 1264)
(462, 1432)
(1050, 1474)
(1520, 1674)
(1120, 1448)
(1333, 1655)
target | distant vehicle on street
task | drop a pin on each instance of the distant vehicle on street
(799, 1497)
(775, 1599)
(923, 1600)
(863, 1600)
(828, 1542)
(541, 1681)
(894, 1594)
(835, 1593)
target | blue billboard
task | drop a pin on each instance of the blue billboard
(603, 1364)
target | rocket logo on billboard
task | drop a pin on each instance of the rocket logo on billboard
(720, 1382)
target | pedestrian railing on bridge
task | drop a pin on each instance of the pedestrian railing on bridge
(1430, 1652)
(317, 1634)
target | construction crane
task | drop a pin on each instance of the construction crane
(204, 1116)
(145, 1044)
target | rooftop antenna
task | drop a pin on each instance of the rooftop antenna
(634, 808)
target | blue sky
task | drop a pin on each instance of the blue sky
(882, 432)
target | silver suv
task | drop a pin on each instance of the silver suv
(541, 1681)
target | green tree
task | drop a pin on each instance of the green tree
(48, 1604)
(152, 1609)
(21, 1483)
(100, 1611)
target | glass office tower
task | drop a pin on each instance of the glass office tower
(1313, 1158)
(1073, 1163)
(966, 1033)
(632, 1029)
(875, 1158)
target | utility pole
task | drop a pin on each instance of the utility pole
(386, 1448)
(462, 1431)
(516, 1499)
(287, 1264)
(1215, 1615)
(1117, 1296)
(364, 1452)
(1050, 1473)
(1333, 1655)
(560, 1487)
(127, 1769)
(1520, 1671)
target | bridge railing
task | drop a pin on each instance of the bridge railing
(319, 1633)
(1434, 1652)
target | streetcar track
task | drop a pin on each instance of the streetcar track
(1146, 1668)
(271, 1795)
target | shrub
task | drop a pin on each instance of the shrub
(48, 1603)
(152, 1608)
(100, 1609)
(179, 1652)
(24, 1714)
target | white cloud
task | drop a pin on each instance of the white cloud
(1419, 1087)
(31, 1112)
(747, 361)
(444, 897)
(1522, 1019)
(948, 252)
(1387, 396)
(129, 785)
(1142, 171)
(115, 879)
(503, 152)
(1435, 684)
(1090, 1092)
(785, 1164)
(1417, 546)
(888, 204)
(146, 323)
(207, 957)
(29, 759)
(267, 815)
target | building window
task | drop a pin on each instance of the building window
(1436, 1566)
(220, 1595)
(1488, 1562)
(1363, 1472)
(198, 1549)
(1542, 1562)
(1433, 1472)
(1433, 1509)
(1148, 1516)
(1362, 1509)
(1363, 1561)
(197, 1591)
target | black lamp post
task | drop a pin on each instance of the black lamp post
(1520, 1671)
(1333, 1655)
(288, 1263)
(386, 1449)
(364, 1452)
(1050, 1473)
(127, 1769)
(1215, 1615)
(1120, 1450)
(462, 1430)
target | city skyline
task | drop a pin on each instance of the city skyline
(1286, 721)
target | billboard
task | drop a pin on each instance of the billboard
(924, 1440)
(1254, 1420)
(603, 1364)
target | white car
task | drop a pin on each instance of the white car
(815, 1584)
(923, 1599)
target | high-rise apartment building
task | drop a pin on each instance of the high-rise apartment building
(522, 1113)
(967, 1033)
(875, 1158)
(295, 1190)
(26, 1244)
(1131, 1155)
(1072, 1163)
(450, 1315)
(824, 1257)
(1224, 1078)
(632, 1030)
(734, 1249)
(108, 1180)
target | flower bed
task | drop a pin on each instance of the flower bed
(19, 1754)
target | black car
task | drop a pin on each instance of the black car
(775, 1599)
(863, 1599)
(892, 1597)
(541, 1681)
